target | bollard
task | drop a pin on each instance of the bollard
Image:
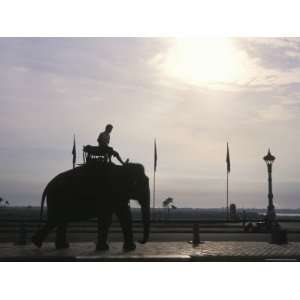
(196, 238)
(279, 236)
(21, 234)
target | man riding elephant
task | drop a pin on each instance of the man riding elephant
(103, 142)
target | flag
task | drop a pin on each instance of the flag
(155, 156)
(74, 152)
(228, 159)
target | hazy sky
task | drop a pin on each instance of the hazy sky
(192, 95)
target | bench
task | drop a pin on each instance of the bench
(94, 153)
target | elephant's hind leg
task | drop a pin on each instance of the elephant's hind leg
(61, 236)
(41, 234)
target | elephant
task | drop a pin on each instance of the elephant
(96, 190)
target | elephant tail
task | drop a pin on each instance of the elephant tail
(42, 203)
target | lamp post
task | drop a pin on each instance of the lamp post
(269, 159)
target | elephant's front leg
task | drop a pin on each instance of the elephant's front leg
(104, 222)
(61, 236)
(124, 215)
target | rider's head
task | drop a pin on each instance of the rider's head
(108, 128)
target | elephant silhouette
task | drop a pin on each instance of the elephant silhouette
(96, 190)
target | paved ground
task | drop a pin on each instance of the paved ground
(156, 251)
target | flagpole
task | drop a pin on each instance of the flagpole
(154, 171)
(154, 167)
(153, 191)
(227, 171)
(74, 152)
(227, 215)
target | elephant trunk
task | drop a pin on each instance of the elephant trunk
(145, 209)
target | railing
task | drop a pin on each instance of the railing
(21, 230)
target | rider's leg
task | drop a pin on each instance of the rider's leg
(118, 157)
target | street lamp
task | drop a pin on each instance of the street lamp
(269, 159)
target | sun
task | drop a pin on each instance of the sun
(203, 60)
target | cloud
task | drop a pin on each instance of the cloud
(257, 63)
(52, 88)
(273, 54)
(276, 112)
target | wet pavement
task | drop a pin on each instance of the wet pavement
(156, 251)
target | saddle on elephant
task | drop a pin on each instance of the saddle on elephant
(100, 154)
(94, 153)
